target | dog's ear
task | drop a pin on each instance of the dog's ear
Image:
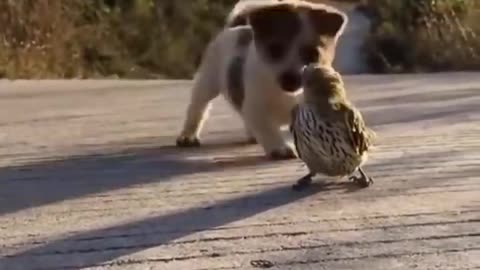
(329, 24)
(277, 21)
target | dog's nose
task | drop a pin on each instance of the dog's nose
(290, 81)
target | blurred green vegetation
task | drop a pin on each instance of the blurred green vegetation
(166, 38)
(97, 38)
(424, 35)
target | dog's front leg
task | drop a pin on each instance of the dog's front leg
(205, 89)
(268, 134)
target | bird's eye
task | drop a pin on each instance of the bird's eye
(309, 54)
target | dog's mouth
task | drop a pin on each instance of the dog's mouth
(290, 81)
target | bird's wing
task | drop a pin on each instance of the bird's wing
(361, 137)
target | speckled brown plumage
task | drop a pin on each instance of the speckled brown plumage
(330, 134)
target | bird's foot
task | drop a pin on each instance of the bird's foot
(363, 180)
(303, 182)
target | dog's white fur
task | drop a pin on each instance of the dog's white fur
(266, 107)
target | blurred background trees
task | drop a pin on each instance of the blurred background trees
(424, 35)
(166, 38)
(92, 38)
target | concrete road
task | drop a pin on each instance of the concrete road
(89, 179)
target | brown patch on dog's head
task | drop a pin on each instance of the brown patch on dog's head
(275, 29)
(290, 34)
(327, 24)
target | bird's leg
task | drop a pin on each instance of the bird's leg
(303, 182)
(364, 180)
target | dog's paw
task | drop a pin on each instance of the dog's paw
(284, 153)
(184, 141)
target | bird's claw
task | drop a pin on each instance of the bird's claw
(363, 180)
(302, 183)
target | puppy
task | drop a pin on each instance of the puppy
(255, 62)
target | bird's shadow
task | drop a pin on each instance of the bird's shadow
(323, 185)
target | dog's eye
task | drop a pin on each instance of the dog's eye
(276, 51)
(309, 54)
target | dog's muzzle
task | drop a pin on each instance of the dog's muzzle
(290, 81)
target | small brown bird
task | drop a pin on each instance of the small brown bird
(328, 131)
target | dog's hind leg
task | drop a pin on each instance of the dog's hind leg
(250, 137)
(205, 89)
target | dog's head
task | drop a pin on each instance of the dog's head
(291, 34)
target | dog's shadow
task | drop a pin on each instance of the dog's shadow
(53, 181)
(48, 181)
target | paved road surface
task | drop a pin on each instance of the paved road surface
(89, 179)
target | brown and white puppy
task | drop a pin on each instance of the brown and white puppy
(255, 63)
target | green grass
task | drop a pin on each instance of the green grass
(166, 38)
(424, 35)
(89, 38)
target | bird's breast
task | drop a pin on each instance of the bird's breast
(324, 144)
